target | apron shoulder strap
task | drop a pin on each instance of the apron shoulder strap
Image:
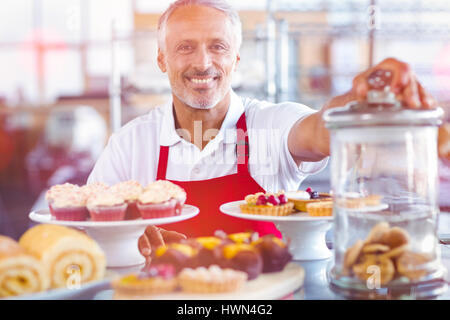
(242, 147)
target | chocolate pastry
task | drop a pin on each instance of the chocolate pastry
(243, 257)
(179, 255)
(274, 252)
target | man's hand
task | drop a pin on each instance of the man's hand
(404, 84)
(309, 140)
(154, 237)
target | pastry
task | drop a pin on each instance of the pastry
(395, 237)
(67, 202)
(208, 253)
(243, 257)
(302, 198)
(376, 267)
(66, 255)
(274, 252)
(351, 256)
(152, 280)
(179, 255)
(320, 208)
(271, 204)
(211, 280)
(161, 199)
(20, 272)
(130, 191)
(377, 233)
(93, 188)
(243, 237)
(413, 265)
(355, 200)
(106, 206)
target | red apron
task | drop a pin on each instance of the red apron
(209, 194)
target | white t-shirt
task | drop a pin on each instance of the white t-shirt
(132, 153)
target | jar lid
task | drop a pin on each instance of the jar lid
(380, 109)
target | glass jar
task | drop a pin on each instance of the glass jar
(385, 189)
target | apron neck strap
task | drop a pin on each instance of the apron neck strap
(242, 151)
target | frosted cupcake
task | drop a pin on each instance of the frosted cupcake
(106, 206)
(93, 188)
(161, 199)
(130, 191)
(67, 202)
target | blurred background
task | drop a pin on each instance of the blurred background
(73, 71)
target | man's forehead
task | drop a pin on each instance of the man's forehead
(198, 15)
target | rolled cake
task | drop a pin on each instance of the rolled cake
(20, 273)
(69, 257)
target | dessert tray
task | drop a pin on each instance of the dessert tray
(118, 239)
(306, 233)
(267, 286)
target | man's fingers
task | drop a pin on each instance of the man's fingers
(172, 236)
(144, 246)
(154, 236)
(411, 94)
(427, 100)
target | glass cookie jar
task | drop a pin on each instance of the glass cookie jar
(385, 196)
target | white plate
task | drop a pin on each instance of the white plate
(118, 239)
(232, 209)
(305, 233)
(84, 292)
(44, 216)
(267, 286)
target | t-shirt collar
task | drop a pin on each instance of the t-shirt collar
(169, 136)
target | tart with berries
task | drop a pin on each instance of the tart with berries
(302, 198)
(151, 280)
(270, 204)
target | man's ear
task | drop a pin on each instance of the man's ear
(238, 59)
(161, 61)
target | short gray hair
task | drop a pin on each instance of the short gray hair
(221, 5)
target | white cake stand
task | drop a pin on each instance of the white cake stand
(306, 233)
(118, 239)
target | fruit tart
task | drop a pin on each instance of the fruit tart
(130, 191)
(301, 198)
(179, 255)
(242, 257)
(161, 199)
(274, 252)
(270, 204)
(211, 280)
(151, 280)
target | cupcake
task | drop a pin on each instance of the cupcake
(67, 202)
(301, 198)
(178, 255)
(106, 206)
(270, 204)
(93, 188)
(274, 252)
(242, 257)
(150, 281)
(161, 199)
(211, 280)
(130, 191)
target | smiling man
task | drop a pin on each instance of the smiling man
(220, 147)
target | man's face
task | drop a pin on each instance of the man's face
(200, 55)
